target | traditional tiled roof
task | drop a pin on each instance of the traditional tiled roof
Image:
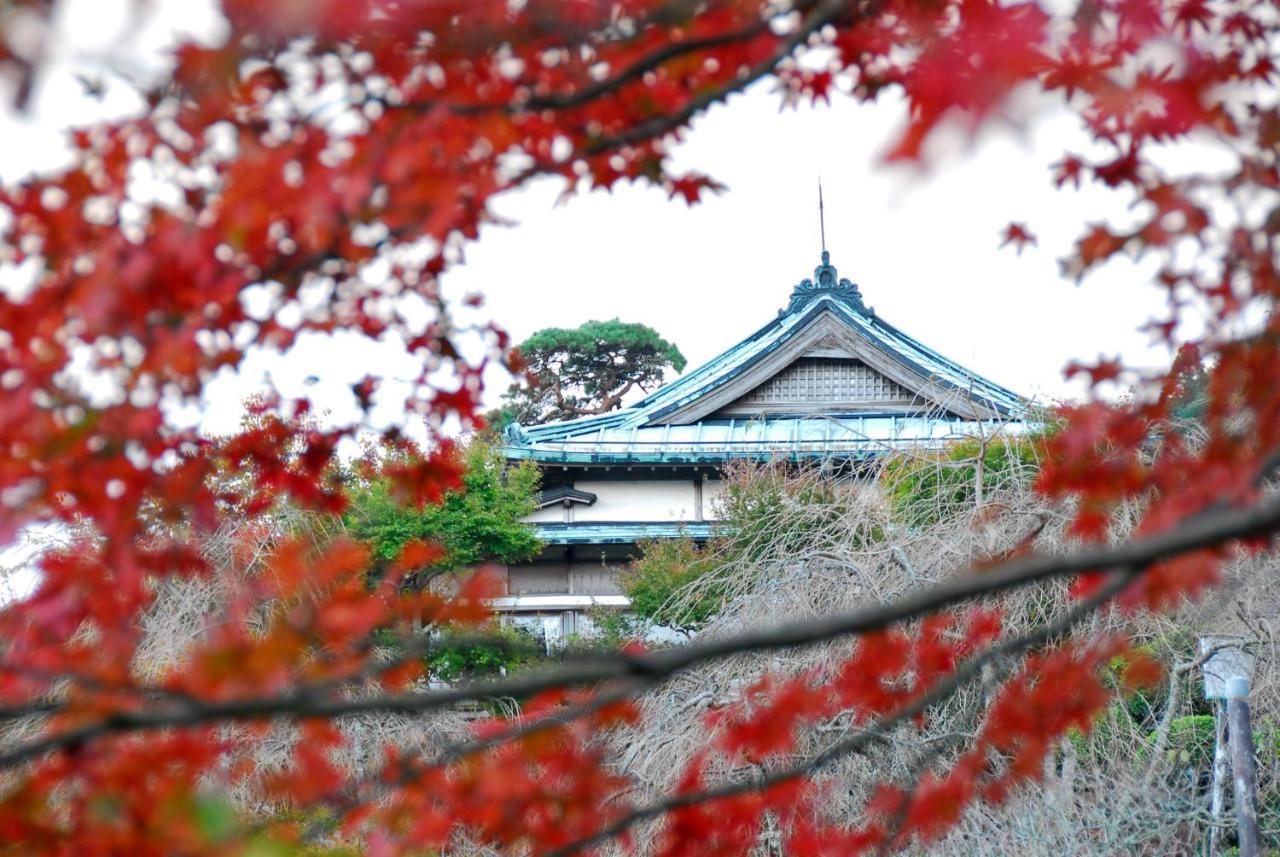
(679, 423)
(710, 441)
(564, 494)
(619, 532)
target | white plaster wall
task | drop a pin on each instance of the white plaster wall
(711, 491)
(656, 500)
(552, 513)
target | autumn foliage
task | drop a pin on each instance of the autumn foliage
(134, 304)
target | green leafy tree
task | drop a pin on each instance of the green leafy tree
(926, 488)
(575, 372)
(664, 567)
(479, 523)
(506, 649)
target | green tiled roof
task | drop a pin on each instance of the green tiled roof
(619, 532)
(644, 432)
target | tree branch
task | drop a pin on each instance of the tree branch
(1209, 529)
(577, 98)
(598, 89)
(821, 15)
(385, 777)
(1171, 708)
(968, 671)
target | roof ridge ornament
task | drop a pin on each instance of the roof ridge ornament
(515, 435)
(826, 281)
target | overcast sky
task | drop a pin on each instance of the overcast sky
(922, 245)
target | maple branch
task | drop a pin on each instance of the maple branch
(633, 72)
(597, 89)
(640, 68)
(819, 16)
(1209, 529)
(409, 773)
(879, 731)
(898, 821)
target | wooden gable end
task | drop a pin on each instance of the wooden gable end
(827, 366)
(823, 384)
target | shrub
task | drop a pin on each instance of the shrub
(453, 659)
(1191, 741)
(666, 566)
(924, 489)
(477, 524)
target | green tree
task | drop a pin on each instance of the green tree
(574, 372)
(505, 650)
(664, 567)
(479, 523)
(924, 488)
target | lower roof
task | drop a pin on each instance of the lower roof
(619, 532)
(772, 438)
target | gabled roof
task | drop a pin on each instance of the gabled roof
(564, 494)
(825, 313)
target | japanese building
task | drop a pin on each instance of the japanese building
(827, 379)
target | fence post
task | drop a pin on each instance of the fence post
(1217, 795)
(1244, 776)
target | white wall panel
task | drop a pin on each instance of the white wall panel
(551, 513)
(641, 500)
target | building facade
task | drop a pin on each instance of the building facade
(827, 379)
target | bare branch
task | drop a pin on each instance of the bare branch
(1209, 529)
(968, 671)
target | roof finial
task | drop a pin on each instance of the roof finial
(826, 280)
(822, 219)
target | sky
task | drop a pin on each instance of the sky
(923, 244)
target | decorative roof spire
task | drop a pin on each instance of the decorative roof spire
(822, 221)
(826, 281)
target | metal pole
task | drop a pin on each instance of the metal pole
(822, 218)
(1244, 775)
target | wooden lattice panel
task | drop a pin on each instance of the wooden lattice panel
(816, 379)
